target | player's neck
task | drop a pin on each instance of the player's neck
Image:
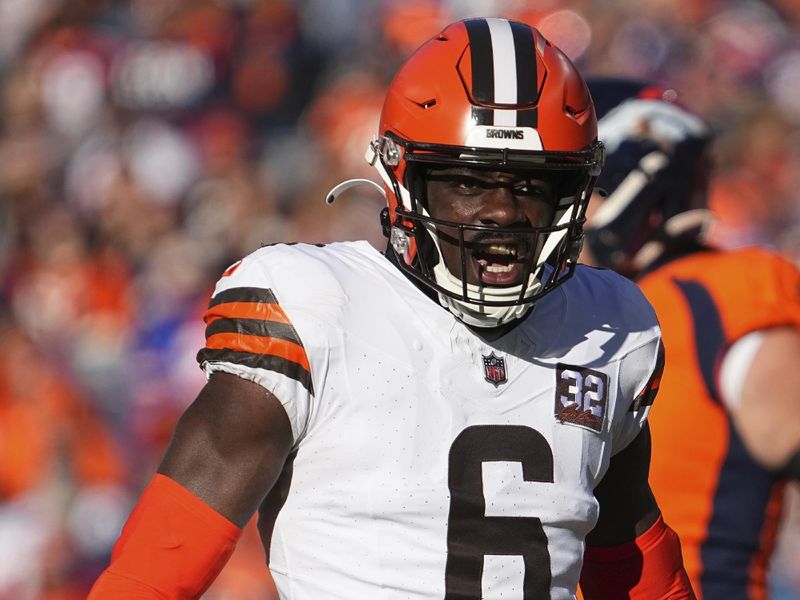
(488, 334)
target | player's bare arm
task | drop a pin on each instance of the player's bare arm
(229, 446)
(631, 553)
(766, 412)
(627, 506)
(227, 450)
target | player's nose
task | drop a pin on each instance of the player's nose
(501, 208)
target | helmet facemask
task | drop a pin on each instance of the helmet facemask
(534, 259)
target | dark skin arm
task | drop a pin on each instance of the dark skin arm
(627, 505)
(230, 446)
(648, 569)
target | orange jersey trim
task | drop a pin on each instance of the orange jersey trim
(246, 326)
(246, 310)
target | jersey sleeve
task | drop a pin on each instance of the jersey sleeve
(640, 377)
(249, 333)
(775, 292)
(771, 299)
(617, 327)
(754, 289)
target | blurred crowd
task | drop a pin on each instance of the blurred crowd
(145, 145)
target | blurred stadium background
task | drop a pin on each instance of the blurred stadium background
(145, 145)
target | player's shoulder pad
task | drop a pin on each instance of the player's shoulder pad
(596, 310)
(307, 277)
(756, 261)
(603, 295)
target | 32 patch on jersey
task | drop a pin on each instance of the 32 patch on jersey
(581, 396)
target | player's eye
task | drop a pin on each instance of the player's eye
(531, 189)
(524, 188)
(466, 185)
(469, 186)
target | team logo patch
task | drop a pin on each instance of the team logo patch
(494, 369)
(581, 397)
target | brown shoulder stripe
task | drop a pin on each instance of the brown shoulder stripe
(259, 361)
(271, 329)
(244, 294)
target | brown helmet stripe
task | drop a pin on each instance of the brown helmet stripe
(496, 81)
(481, 57)
(525, 55)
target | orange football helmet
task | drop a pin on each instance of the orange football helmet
(487, 94)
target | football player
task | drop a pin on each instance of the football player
(726, 430)
(457, 417)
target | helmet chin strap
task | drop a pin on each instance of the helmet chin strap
(480, 317)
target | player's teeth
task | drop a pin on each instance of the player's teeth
(499, 268)
(502, 249)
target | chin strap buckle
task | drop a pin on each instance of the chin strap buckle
(399, 241)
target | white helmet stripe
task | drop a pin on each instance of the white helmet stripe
(505, 71)
(505, 118)
(497, 80)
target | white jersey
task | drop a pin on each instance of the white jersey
(428, 462)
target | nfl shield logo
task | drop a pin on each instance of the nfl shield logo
(494, 369)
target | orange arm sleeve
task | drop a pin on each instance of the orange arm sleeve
(172, 547)
(648, 568)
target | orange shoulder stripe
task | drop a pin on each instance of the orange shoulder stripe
(246, 310)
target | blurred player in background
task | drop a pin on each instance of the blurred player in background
(726, 433)
(457, 417)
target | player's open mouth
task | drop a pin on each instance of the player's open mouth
(498, 263)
